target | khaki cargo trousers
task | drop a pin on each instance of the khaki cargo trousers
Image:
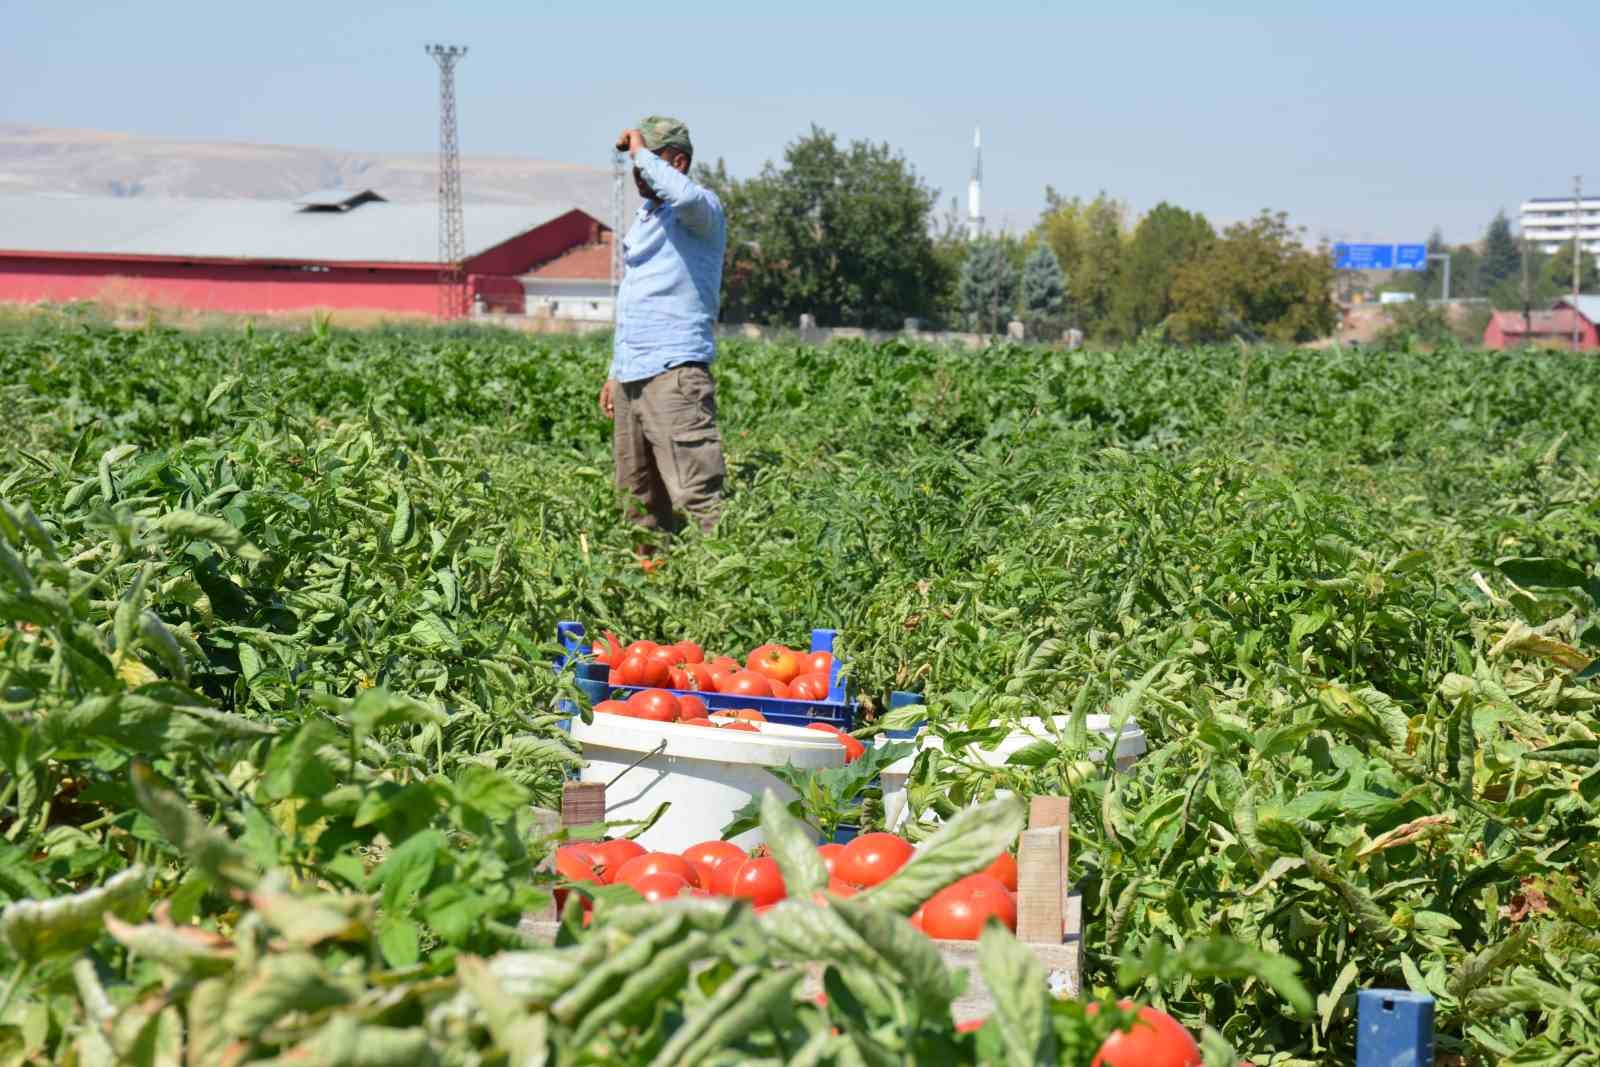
(667, 447)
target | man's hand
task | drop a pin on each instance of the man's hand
(630, 141)
(607, 407)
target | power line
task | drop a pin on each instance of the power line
(452, 235)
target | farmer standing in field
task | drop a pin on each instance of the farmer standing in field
(659, 392)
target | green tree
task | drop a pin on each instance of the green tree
(988, 285)
(1256, 280)
(1502, 258)
(1087, 239)
(1557, 273)
(840, 232)
(1165, 239)
(1044, 289)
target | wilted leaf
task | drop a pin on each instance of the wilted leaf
(1021, 1000)
(37, 930)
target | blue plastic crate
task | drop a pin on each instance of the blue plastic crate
(1394, 1028)
(837, 710)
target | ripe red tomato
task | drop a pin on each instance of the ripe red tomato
(916, 916)
(747, 684)
(723, 663)
(747, 714)
(656, 705)
(1004, 869)
(613, 707)
(642, 647)
(588, 850)
(774, 661)
(1156, 1040)
(692, 706)
(957, 912)
(609, 856)
(606, 650)
(830, 855)
(656, 863)
(695, 676)
(870, 858)
(969, 1026)
(812, 686)
(689, 652)
(573, 864)
(714, 854)
(816, 663)
(723, 874)
(639, 669)
(853, 748)
(699, 720)
(780, 690)
(703, 873)
(741, 725)
(759, 881)
(841, 889)
(659, 887)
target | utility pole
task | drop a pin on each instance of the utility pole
(1527, 296)
(618, 189)
(452, 235)
(1577, 256)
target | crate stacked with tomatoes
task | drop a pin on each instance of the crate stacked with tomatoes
(677, 682)
(723, 869)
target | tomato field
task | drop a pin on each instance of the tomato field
(277, 613)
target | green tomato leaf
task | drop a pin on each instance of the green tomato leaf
(792, 846)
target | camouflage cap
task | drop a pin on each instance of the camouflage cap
(662, 132)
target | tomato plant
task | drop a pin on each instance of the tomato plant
(301, 584)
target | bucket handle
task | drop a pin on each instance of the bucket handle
(654, 751)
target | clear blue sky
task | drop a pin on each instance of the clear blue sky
(1363, 120)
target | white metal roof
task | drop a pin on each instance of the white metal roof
(1588, 305)
(276, 230)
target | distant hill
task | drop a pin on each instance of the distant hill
(100, 163)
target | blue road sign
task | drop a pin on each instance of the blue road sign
(1363, 257)
(1411, 257)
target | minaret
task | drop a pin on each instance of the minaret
(975, 188)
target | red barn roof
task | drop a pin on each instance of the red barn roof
(1557, 323)
(590, 262)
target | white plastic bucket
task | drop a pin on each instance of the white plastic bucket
(706, 775)
(1130, 745)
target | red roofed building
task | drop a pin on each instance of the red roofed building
(574, 286)
(1547, 329)
(337, 249)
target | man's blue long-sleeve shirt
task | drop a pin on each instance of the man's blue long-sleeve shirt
(668, 300)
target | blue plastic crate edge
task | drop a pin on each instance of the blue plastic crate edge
(837, 709)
